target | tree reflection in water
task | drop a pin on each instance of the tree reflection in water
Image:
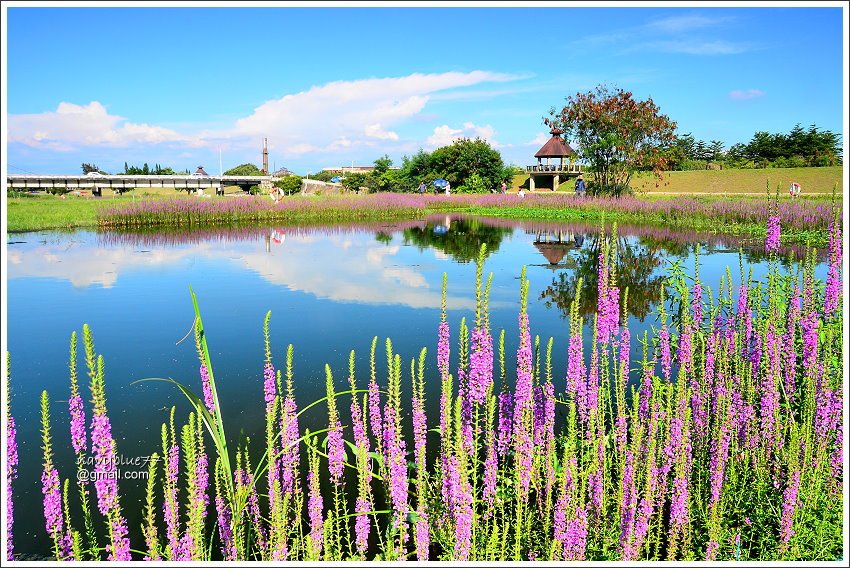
(460, 238)
(637, 266)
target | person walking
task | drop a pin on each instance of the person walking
(580, 186)
(422, 187)
(504, 188)
(448, 188)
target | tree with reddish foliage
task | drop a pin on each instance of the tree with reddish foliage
(616, 134)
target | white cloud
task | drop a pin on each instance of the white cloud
(444, 135)
(361, 110)
(539, 140)
(72, 125)
(678, 24)
(746, 95)
(375, 131)
(325, 119)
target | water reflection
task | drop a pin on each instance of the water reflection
(637, 270)
(459, 237)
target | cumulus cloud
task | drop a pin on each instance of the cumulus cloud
(444, 135)
(746, 94)
(358, 110)
(539, 140)
(72, 125)
(332, 118)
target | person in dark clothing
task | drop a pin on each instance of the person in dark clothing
(580, 186)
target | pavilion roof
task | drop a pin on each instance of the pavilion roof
(555, 147)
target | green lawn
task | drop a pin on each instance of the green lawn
(814, 181)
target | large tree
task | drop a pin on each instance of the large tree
(470, 165)
(616, 134)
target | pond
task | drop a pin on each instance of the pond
(329, 290)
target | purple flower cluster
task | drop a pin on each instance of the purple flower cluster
(78, 423)
(361, 525)
(11, 474)
(609, 304)
(269, 386)
(480, 364)
(832, 294)
(336, 453)
(228, 546)
(53, 516)
(771, 241)
(789, 505)
(209, 400)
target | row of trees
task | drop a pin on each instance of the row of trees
(471, 166)
(798, 148)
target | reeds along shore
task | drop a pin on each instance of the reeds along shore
(728, 446)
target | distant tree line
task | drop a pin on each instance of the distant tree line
(147, 170)
(801, 147)
(471, 166)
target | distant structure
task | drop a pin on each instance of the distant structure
(281, 172)
(555, 147)
(200, 172)
(265, 156)
(353, 169)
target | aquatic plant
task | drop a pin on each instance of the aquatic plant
(728, 447)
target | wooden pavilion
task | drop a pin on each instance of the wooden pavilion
(556, 148)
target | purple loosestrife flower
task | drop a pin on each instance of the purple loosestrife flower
(375, 420)
(171, 506)
(480, 364)
(209, 401)
(628, 506)
(451, 484)
(78, 423)
(11, 474)
(463, 523)
(228, 547)
(396, 462)
(503, 438)
(269, 386)
(336, 453)
(53, 517)
(290, 456)
(769, 393)
(771, 241)
(696, 304)
(443, 350)
(523, 407)
(790, 350)
(832, 294)
(575, 542)
(422, 535)
(420, 429)
(488, 493)
(789, 504)
(314, 510)
(361, 525)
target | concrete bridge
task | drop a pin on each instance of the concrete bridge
(96, 183)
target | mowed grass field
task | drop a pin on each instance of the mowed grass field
(813, 181)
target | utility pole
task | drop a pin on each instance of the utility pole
(265, 156)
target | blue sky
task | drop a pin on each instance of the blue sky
(334, 85)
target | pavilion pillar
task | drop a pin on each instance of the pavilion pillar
(556, 182)
(531, 183)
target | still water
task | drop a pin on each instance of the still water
(330, 290)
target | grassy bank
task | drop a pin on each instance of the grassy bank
(814, 181)
(803, 220)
